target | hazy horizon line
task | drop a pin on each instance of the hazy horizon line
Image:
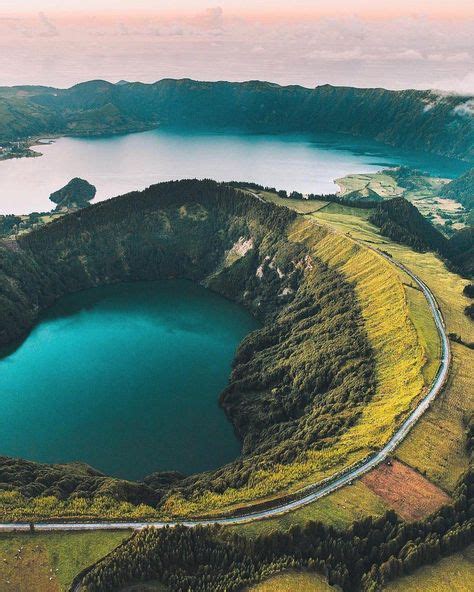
(264, 16)
(246, 81)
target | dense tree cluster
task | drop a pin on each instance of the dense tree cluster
(9, 224)
(408, 178)
(76, 480)
(468, 291)
(364, 557)
(461, 190)
(298, 383)
(401, 221)
(469, 311)
(461, 250)
(352, 199)
(458, 339)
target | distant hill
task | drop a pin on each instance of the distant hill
(410, 179)
(462, 250)
(461, 189)
(419, 120)
(400, 220)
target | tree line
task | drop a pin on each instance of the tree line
(364, 557)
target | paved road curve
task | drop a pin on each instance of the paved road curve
(313, 492)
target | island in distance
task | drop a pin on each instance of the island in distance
(75, 195)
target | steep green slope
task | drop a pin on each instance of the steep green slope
(462, 250)
(300, 382)
(420, 120)
(400, 220)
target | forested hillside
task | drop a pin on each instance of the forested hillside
(461, 190)
(461, 247)
(365, 557)
(299, 382)
(401, 221)
(420, 120)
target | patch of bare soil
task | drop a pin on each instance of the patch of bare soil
(406, 491)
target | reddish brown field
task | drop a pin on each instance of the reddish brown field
(411, 495)
(27, 570)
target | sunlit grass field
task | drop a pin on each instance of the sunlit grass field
(48, 562)
(451, 574)
(339, 509)
(383, 184)
(426, 329)
(299, 205)
(292, 582)
(436, 445)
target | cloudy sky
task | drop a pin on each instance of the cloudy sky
(408, 43)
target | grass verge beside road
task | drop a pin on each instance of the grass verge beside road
(48, 562)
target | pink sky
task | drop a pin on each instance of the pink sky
(380, 8)
(404, 44)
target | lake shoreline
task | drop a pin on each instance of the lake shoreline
(120, 163)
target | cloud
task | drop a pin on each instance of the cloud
(407, 54)
(462, 56)
(336, 54)
(465, 109)
(48, 29)
(123, 29)
(212, 18)
(463, 85)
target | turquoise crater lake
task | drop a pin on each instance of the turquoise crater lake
(125, 378)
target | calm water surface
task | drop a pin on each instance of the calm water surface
(119, 164)
(127, 379)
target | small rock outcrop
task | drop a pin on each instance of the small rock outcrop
(75, 195)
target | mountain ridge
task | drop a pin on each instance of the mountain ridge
(411, 119)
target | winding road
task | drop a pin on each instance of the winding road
(313, 492)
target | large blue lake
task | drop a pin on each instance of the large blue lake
(119, 164)
(127, 379)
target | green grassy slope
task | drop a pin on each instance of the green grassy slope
(49, 562)
(451, 574)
